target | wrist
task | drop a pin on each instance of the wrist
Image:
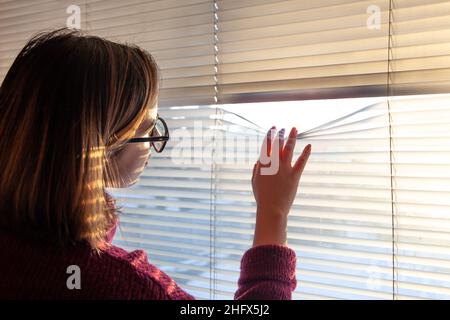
(271, 212)
(270, 229)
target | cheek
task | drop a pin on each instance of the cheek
(134, 156)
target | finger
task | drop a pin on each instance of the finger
(301, 161)
(266, 148)
(270, 139)
(281, 143)
(288, 151)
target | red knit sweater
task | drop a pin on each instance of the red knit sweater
(31, 270)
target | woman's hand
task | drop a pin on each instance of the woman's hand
(275, 190)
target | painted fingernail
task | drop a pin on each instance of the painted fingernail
(292, 133)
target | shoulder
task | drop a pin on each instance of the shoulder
(132, 273)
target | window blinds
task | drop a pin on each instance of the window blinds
(421, 168)
(340, 223)
(293, 50)
(21, 19)
(264, 50)
(397, 181)
(168, 213)
(371, 217)
(178, 33)
(370, 220)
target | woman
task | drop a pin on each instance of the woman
(70, 106)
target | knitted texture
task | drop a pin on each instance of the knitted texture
(32, 270)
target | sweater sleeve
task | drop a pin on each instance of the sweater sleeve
(267, 273)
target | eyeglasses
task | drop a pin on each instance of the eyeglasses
(158, 136)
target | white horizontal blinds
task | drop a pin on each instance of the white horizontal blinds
(267, 49)
(345, 247)
(420, 46)
(292, 50)
(167, 213)
(279, 50)
(421, 145)
(179, 34)
(195, 223)
(237, 144)
(340, 223)
(21, 19)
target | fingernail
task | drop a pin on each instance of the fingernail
(308, 147)
(293, 132)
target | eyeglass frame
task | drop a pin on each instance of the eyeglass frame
(151, 139)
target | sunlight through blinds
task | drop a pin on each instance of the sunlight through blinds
(354, 238)
(340, 224)
(168, 212)
(421, 144)
(370, 220)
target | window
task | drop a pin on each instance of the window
(365, 82)
(370, 218)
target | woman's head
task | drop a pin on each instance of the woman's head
(68, 105)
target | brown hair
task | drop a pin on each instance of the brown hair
(67, 104)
